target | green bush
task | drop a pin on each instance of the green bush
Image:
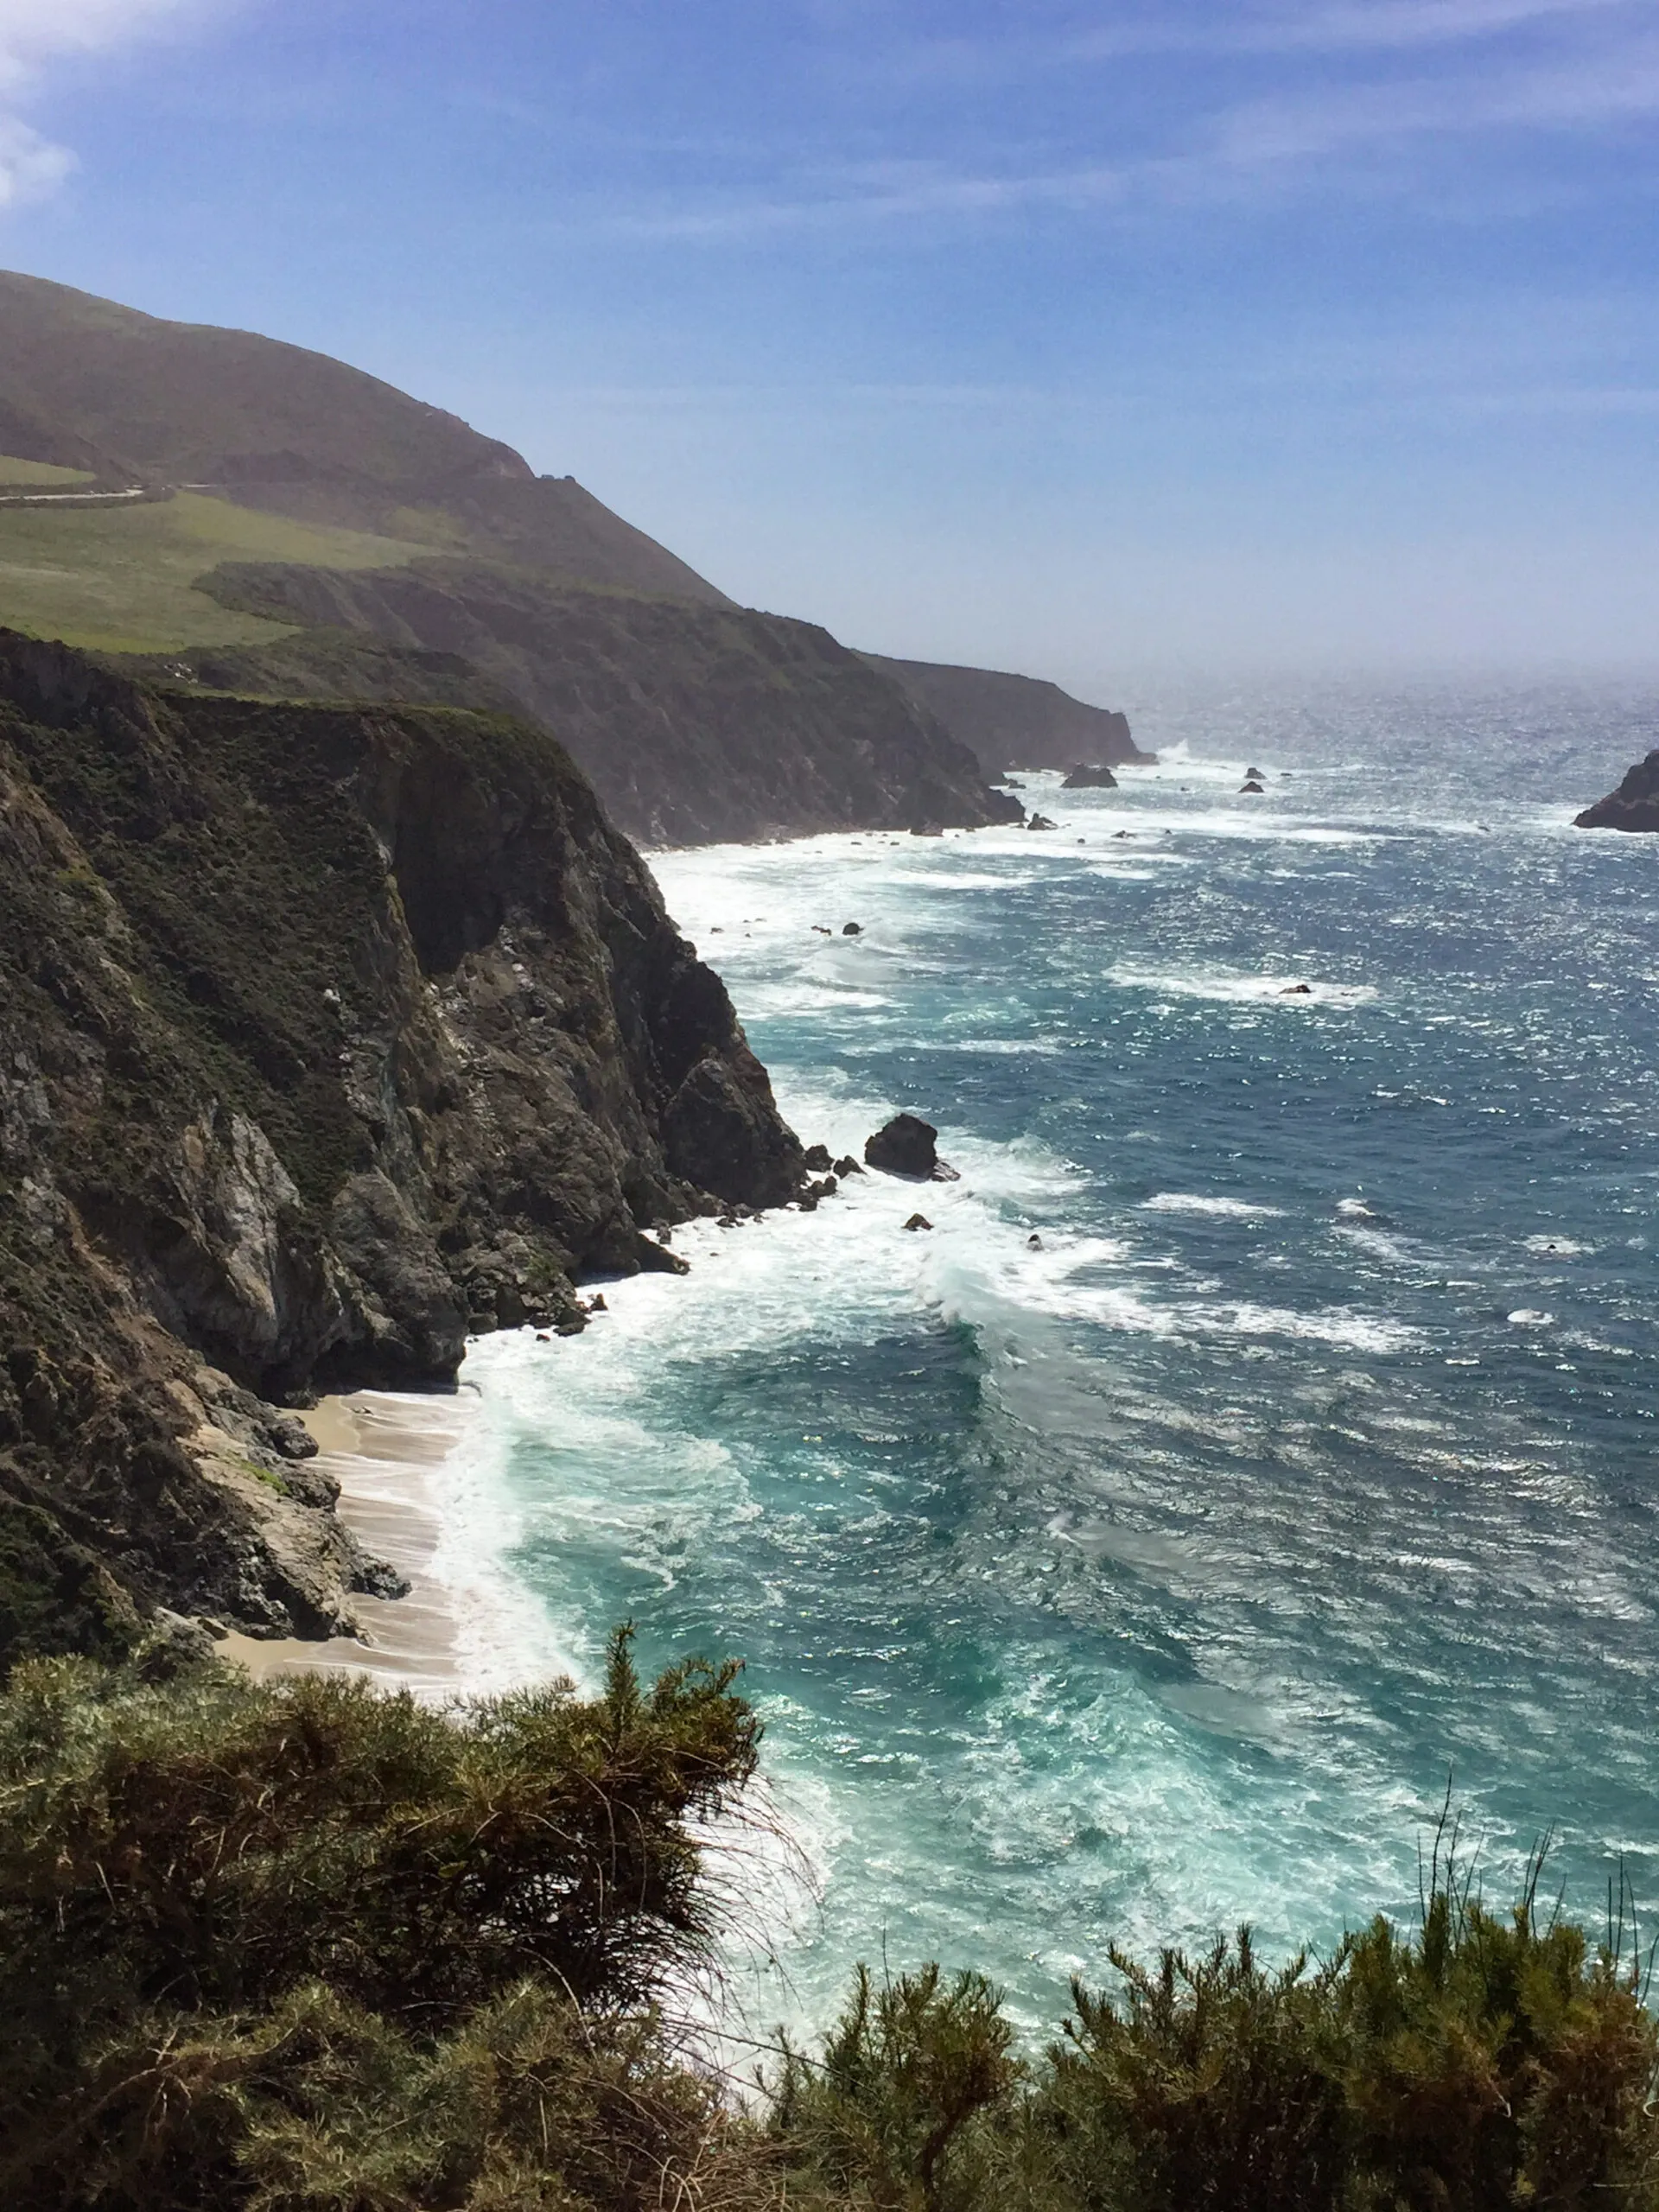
(308, 1944)
(311, 1947)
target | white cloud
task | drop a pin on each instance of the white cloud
(31, 166)
(35, 34)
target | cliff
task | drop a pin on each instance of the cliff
(1634, 805)
(1014, 721)
(697, 724)
(327, 1035)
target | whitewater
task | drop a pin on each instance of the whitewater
(1262, 1432)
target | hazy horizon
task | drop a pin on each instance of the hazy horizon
(1076, 338)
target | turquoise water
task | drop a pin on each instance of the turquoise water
(1156, 1577)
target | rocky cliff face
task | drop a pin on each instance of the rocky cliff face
(1634, 805)
(327, 1036)
(1015, 721)
(697, 724)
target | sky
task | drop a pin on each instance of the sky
(1073, 336)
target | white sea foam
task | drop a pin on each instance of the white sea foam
(1194, 1202)
(1276, 990)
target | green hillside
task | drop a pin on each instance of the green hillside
(120, 579)
(24, 475)
(130, 399)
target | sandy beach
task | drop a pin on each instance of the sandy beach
(387, 1453)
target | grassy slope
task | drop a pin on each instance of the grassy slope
(26, 473)
(121, 579)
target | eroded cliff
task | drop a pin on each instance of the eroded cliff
(327, 1036)
(696, 723)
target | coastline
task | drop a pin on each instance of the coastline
(388, 1451)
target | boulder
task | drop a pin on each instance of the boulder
(852, 929)
(909, 1146)
(1039, 822)
(1634, 805)
(1297, 991)
(1252, 787)
(918, 1221)
(848, 1167)
(1256, 775)
(1085, 779)
(817, 1157)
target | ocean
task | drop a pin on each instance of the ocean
(1261, 1441)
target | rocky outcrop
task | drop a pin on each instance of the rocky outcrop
(908, 1145)
(697, 724)
(1634, 805)
(328, 1035)
(1083, 778)
(1014, 721)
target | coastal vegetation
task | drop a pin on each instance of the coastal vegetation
(123, 578)
(310, 1947)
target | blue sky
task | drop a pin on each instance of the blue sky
(1074, 336)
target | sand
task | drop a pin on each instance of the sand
(387, 1452)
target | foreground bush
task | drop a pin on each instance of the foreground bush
(311, 1947)
(1485, 2063)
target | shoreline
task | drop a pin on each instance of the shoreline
(387, 1450)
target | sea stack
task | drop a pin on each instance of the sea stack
(1634, 805)
(1085, 779)
(908, 1145)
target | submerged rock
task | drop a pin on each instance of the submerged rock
(1297, 991)
(1634, 805)
(1085, 779)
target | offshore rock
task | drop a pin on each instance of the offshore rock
(327, 1035)
(1040, 822)
(908, 1145)
(1634, 805)
(1085, 779)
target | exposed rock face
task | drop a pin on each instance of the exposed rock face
(1085, 779)
(695, 723)
(327, 1035)
(1634, 805)
(1015, 721)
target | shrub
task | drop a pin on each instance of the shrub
(311, 1929)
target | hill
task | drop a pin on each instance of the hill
(199, 498)
(90, 385)
(1014, 721)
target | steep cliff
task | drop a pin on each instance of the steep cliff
(1014, 721)
(695, 723)
(327, 1035)
(1634, 805)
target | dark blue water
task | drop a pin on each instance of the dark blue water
(1157, 1576)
